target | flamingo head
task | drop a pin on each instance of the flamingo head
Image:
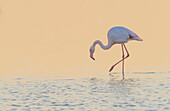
(92, 49)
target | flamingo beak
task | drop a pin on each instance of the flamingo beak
(91, 55)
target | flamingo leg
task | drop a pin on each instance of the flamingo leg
(121, 59)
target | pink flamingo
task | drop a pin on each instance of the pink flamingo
(117, 35)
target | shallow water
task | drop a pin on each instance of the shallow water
(138, 92)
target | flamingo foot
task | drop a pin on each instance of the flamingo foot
(111, 68)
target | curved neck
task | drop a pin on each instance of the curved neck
(109, 45)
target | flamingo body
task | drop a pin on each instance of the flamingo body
(116, 35)
(119, 35)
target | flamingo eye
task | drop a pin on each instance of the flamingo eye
(130, 36)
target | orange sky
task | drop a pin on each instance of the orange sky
(54, 36)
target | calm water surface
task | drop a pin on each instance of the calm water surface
(138, 92)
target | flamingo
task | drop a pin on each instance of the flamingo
(117, 35)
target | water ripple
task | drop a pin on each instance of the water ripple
(131, 94)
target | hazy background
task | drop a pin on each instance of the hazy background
(53, 36)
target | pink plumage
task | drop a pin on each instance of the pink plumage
(116, 35)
